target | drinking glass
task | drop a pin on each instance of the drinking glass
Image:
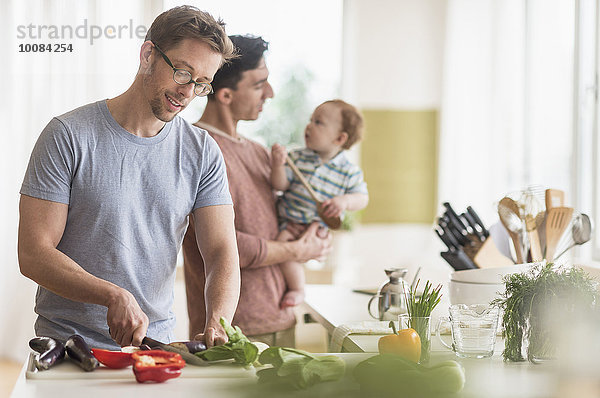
(422, 325)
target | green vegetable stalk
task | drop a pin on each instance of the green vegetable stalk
(538, 304)
(418, 311)
(238, 347)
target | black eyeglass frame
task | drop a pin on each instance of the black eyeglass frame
(202, 86)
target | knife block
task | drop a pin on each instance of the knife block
(489, 256)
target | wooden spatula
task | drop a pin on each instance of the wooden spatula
(557, 220)
(331, 222)
(554, 198)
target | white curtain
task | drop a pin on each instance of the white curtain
(38, 86)
(507, 100)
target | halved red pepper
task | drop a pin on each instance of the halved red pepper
(113, 359)
(156, 365)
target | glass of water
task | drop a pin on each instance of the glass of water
(473, 328)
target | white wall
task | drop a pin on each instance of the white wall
(393, 53)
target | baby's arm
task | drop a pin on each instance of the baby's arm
(334, 207)
(279, 180)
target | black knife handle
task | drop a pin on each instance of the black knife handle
(445, 239)
(455, 220)
(473, 214)
(454, 241)
(476, 228)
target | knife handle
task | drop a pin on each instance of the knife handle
(473, 214)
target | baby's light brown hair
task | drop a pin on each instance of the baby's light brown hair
(352, 122)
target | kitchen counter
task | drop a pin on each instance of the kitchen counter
(332, 306)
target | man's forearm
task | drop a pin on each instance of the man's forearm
(279, 252)
(56, 272)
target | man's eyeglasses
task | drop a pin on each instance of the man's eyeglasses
(183, 77)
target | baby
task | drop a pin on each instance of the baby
(334, 126)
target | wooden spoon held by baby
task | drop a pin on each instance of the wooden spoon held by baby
(331, 222)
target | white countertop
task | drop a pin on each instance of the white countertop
(333, 306)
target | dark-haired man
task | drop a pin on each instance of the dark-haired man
(241, 88)
(107, 193)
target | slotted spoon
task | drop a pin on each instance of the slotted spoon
(557, 220)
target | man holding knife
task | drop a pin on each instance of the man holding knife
(107, 193)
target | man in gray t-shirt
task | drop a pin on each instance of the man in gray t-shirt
(107, 194)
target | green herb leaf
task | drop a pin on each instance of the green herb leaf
(238, 347)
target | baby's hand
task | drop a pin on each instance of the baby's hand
(334, 207)
(278, 155)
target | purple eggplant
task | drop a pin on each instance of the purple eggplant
(80, 353)
(51, 351)
(192, 347)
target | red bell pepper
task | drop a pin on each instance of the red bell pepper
(113, 359)
(156, 365)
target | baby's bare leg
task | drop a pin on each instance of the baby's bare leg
(293, 274)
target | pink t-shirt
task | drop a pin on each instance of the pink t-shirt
(262, 287)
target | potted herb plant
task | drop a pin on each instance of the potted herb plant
(537, 305)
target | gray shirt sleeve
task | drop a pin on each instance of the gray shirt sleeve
(49, 171)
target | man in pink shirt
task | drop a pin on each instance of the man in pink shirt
(240, 90)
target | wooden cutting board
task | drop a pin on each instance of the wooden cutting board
(69, 370)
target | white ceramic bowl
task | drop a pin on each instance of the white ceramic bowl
(474, 293)
(488, 275)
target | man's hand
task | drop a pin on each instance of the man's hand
(278, 155)
(213, 335)
(315, 244)
(126, 321)
(334, 207)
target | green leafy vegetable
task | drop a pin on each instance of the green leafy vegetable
(537, 303)
(389, 375)
(298, 369)
(238, 347)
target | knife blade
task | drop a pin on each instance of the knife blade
(458, 260)
(473, 214)
(187, 357)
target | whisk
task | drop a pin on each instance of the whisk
(532, 212)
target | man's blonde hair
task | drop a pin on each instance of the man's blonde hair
(187, 22)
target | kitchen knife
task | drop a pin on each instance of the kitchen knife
(445, 239)
(451, 237)
(455, 220)
(190, 359)
(474, 226)
(473, 214)
(450, 229)
(458, 260)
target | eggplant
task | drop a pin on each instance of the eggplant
(80, 353)
(192, 347)
(51, 351)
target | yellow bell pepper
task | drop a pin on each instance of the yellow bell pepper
(405, 343)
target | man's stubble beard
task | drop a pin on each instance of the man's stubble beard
(156, 104)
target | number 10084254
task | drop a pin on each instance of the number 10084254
(45, 48)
